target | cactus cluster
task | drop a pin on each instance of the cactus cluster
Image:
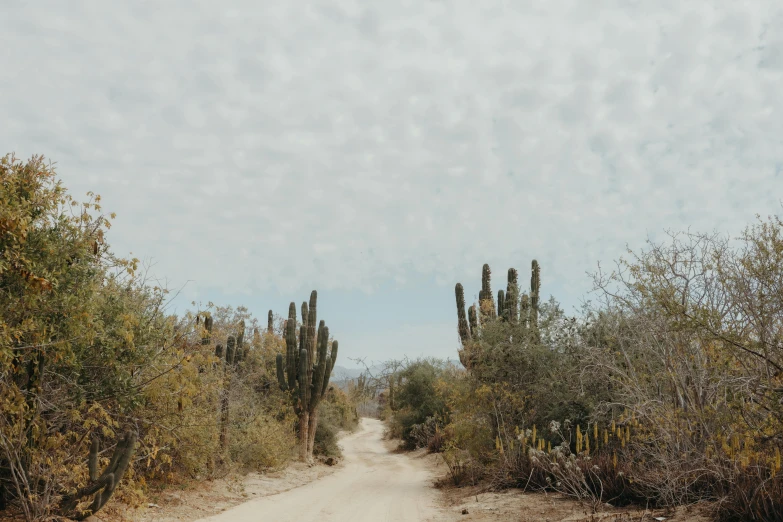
(101, 485)
(511, 307)
(305, 369)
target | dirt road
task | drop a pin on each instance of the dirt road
(374, 485)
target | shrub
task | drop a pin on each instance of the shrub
(335, 413)
(326, 441)
(418, 404)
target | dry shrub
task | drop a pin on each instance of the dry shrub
(262, 443)
(436, 442)
(464, 470)
(748, 493)
(427, 434)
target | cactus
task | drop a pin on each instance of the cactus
(230, 345)
(511, 307)
(269, 327)
(306, 368)
(206, 338)
(524, 311)
(535, 289)
(473, 320)
(486, 299)
(239, 353)
(462, 322)
(101, 486)
(512, 294)
(224, 413)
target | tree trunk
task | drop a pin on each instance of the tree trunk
(304, 431)
(311, 434)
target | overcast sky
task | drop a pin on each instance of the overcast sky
(381, 151)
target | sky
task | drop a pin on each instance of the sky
(380, 151)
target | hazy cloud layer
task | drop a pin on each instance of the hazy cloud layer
(265, 146)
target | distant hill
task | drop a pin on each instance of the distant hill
(341, 373)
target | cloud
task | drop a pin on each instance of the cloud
(258, 146)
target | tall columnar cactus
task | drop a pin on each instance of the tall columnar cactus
(462, 322)
(230, 349)
(224, 405)
(239, 351)
(207, 337)
(473, 321)
(501, 304)
(305, 370)
(101, 486)
(535, 290)
(524, 310)
(512, 296)
(486, 299)
(269, 325)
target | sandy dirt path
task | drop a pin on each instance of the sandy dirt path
(373, 484)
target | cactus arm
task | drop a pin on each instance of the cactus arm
(320, 368)
(311, 336)
(92, 463)
(303, 388)
(512, 296)
(462, 322)
(104, 485)
(208, 330)
(281, 372)
(473, 321)
(291, 349)
(486, 299)
(329, 367)
(230, 345)
(240, 349)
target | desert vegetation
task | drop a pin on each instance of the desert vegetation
(664, 391)
(104, 394)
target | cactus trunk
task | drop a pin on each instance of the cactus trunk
(304, 432)
(313, 425)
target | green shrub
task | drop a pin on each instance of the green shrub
(336, 413)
